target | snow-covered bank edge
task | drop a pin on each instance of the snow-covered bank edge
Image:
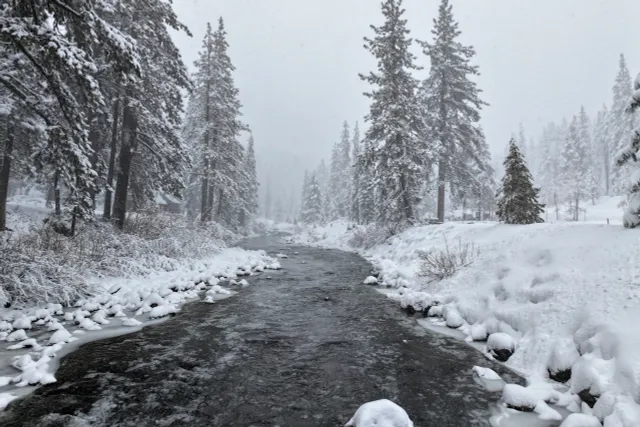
(564, 295)
(38, 337)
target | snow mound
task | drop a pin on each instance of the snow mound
(488, 379)
(18, 335)
(371, 280)
(380, 413)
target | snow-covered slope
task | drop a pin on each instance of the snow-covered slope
(567, 293)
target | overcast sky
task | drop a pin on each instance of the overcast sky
(298, 62)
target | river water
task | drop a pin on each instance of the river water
(303, 346)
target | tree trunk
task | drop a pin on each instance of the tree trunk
(555, 202)
(577, 212)
(5, 172)
(441, 190)
(56, 194)
(607, 177)
(406, 202)
(205, 210)
(94, 139)
(129, 140)
(112, 159)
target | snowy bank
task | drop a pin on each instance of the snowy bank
(564, 299)
(37, 337)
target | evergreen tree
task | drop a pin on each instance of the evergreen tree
(252, 180)
(549, 168)
(522, 142)
(312, 205)
(397, 154)
(592, 184)
(602, 159)
(631, 217)
(518, 201)
(356, 176)
(214, 113)
(575, 168)
(49, 81)
(621, 125)
(452, 99)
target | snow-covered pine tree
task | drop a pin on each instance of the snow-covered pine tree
(312, 205)
(451, 97)
(548, 175)
(356, 178)
(631, 218)
(602, 159)
(52, 79)
(592, 186)
(398, 152)
(518, 199)
(621, 125)
(217, 110)
(575, 169)
(346, 178)
(153, 157)
(252, 183)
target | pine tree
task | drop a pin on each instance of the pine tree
(215, 117)
(312, 205)
(452, 99)
(252, 183)
(518, 201)
(601, 150)
(575, 168)
(397, 154)
(356, 176)
(621, 125)
(549, 168)
(50, 80)
(592, 185)
(522, 142)
(631, 217)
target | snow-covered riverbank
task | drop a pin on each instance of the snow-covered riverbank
(568, 295)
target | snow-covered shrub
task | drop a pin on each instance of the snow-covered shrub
(368, 236)
(438, 264)
(41, 265)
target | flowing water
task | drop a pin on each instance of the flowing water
(304, 346)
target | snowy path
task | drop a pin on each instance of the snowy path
(279, 353)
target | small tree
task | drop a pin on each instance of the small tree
(631, 217)
(518, 201)
(312, 207)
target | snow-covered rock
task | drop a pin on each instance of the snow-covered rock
(371, 280)
(22, 323)
(28, 343)
(162, 311)
(18, 335)
(60, 336)
(5, 326)
(591, 377)
(501, 346)
(563, 356)
(453, 318)
(488, 379)
(380, 413)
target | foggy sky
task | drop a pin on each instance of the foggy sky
(298, 62)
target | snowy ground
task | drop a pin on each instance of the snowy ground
(566, 295)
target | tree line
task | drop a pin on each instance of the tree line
(424, 151)
(91, 106)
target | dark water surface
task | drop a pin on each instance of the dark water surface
(277, 354)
